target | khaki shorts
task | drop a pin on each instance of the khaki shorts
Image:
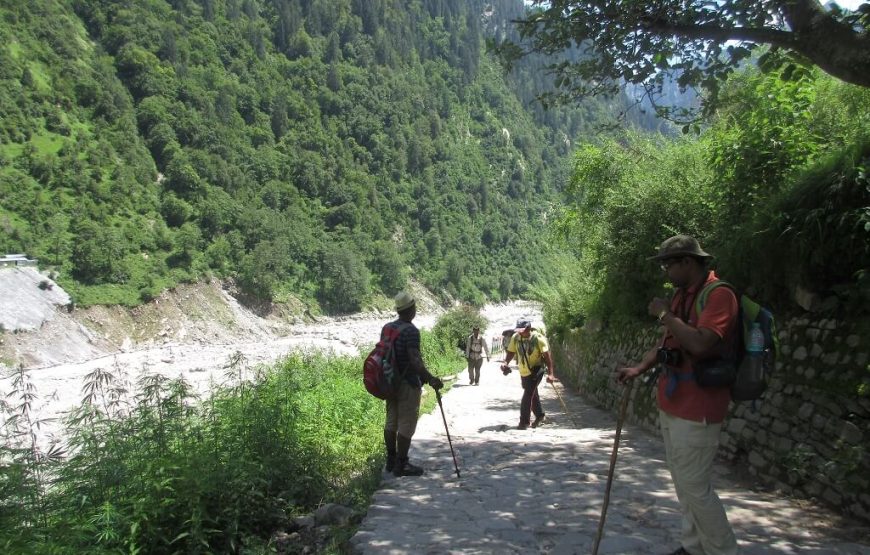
(403, 410)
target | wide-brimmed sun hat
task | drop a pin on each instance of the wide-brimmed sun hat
(404, 300)
(680, 245)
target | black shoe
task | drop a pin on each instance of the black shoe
(539, 420)
(522, 426)
(405, 468)
(391, 462)
(680, 551)
(476, 382)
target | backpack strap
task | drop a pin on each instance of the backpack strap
(533, 344)
(742, 315)
(701, 301)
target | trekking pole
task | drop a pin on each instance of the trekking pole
(619, 421)
(564, 406)
(455, 465)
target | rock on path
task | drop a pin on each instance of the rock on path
(541, 490)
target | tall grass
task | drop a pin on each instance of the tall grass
(155, 469)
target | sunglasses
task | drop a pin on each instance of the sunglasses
(668, 262)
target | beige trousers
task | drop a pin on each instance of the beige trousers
(403, 410)
(690, 448)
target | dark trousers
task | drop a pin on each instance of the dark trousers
(531, 400)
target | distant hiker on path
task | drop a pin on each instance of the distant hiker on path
(534, 360)
(690, 415)
(403, 410)
(475, 348)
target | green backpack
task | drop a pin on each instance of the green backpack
(752, 367)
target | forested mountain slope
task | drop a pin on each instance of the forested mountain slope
(318, 149)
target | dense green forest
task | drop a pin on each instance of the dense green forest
(310, 149)
(776, 185)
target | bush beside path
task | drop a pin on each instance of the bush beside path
(541, 490)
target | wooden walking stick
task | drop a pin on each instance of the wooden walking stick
(564, 406)
(619, 421)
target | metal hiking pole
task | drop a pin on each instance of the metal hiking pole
(455, 465)
(619, 421)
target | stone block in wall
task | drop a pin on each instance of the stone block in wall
(851, 434)
(831, 358)
(858, 510)
(857, 482)
(816, 350)
(757, 460)
(813, 489)
(832, 497)
(800, 353)
(806, 411)
(784, 445)
(854, 408)
(735, 425)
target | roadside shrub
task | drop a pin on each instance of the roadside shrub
(453, 328)
(159, 470)
(626, 198)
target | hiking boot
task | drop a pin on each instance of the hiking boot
(391, 462)
(522, 426)
(680, 551)
(405, 468)
(539, 421)
(476, 382)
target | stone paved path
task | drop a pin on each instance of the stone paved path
(541, 490)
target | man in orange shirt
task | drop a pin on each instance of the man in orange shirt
(690, 415)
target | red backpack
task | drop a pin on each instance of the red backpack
(380, 372)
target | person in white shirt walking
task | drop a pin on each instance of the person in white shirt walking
(475, 349)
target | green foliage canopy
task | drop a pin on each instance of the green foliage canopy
(697, 43)
(253, 140)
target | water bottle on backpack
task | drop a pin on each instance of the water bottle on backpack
(755, 354)
(751, 374)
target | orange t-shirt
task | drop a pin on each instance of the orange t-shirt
(689, 400)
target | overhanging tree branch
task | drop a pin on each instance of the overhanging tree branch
(634, 41)
(719, 34)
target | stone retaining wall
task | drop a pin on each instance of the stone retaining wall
(809, 436)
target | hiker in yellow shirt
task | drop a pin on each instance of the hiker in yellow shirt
(534, 360)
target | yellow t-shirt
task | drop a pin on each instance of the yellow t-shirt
(534, 347)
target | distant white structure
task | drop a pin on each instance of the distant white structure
(16, 260)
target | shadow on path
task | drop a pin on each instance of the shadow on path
(541, 490)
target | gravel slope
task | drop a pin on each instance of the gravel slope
(192, 332)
